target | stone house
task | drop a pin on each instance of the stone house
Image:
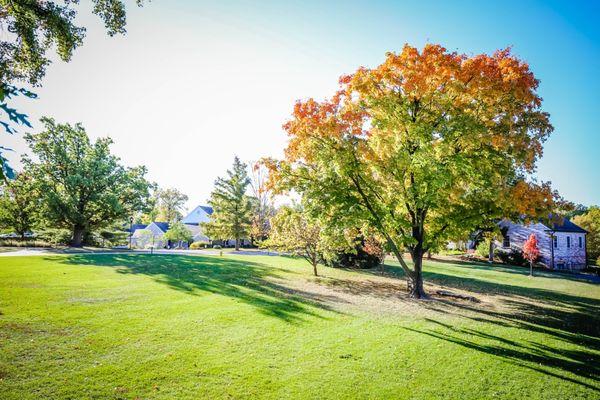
(562, 244)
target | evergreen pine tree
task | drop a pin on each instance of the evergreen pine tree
(232, 208)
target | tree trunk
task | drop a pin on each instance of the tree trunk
(415, 279)
(237, 244)
(78, 233)
(314, 264)
(530, 268)
(491, 252)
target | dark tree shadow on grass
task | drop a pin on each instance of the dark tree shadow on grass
(246, 281)
(572, 320)
(544, 359)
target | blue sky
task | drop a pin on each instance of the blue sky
(195, 82)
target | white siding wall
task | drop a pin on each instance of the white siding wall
(569, 257)
(142, 238)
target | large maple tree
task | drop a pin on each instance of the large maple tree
(426, 146)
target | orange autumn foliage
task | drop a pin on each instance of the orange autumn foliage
(428, 145)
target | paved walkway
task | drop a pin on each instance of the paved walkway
(41, 251)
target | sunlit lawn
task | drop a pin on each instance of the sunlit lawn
(192, 327)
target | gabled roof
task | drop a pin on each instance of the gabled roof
(198, 215)
(163, 226)
(566, 226)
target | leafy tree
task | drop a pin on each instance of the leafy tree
(7, 92)
(423, 147)
(232, 208)
(567, 209)
(170, 203)
(483, 248)
(590, 221)
(150, 215)
(18, 205)
(35, 26)
(178, 233)
(82, 186)
(293, 232)
(30, 28)
(531, 252)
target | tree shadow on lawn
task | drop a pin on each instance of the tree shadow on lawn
(538, 357)
(246, 281)
(570, 319)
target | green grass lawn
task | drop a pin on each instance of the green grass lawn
(132, 326)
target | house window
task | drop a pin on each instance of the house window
(580, 242)
(506, 242)
(555, 241)
(568, 242)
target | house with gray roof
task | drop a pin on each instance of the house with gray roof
(151, 235)
(144, 235)
(200, 215)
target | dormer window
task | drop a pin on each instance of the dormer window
(555, 241)
(568, 242)
(506, 242)
(580, 242)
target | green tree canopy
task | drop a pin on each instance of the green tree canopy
(170, 203)
(33, 27)
(232, 208)
(18, 205)
(178, 233)
(83, 187)
(590, 221)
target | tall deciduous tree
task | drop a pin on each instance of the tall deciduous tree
(82, 186)
(428, 144)
(232, 215)
(590, 221)
(170, 203)
(18, 205)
